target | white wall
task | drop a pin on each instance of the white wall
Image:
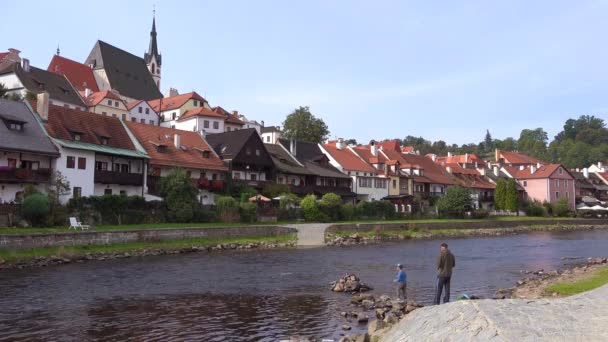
(150, 119)
(77, 178)
(260, 176)
(231, 127)
(101, 79)
(270, 137)
(9, 191)
(4, 156)
(11, 81)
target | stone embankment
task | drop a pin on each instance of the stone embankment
(100, 256)
(582, 317)
(359, 237)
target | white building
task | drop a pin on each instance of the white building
(140, 111)
(270, 134)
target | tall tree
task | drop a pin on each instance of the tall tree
(301, 125)
(533, 142)
(510, 200)
(499, 194)
(488, 143)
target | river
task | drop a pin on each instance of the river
(256, 295)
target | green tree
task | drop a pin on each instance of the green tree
(35, 208)
(330, 205)
(272, 190)
(350, 141)
(488, 143)
(456, 201)
(301, 125)
(561, 208)
(533, 142)
(180, 195)
(511, 199)
(500, 194)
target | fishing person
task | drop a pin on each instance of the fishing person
(401, 280)
(445, 263)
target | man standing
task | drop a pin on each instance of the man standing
(401, 280)
(445, 263)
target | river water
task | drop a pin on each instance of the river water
(256, 295)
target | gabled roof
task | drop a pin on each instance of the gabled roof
(407, 149)
(190, 156)
(95, 98)
(469, 158)
(2, 55)
(468, 177)
(270, 129)
(80, 75)
(161, 104)
(348, 159)
(37, 80)
(544, 171)
(510, 157)
(229, 144)
(64, 122)
(311, 156)
(392, 145)
(433, 172)
(234, 120)
(284, 161)
(126, 73)
(200, 111)
(31, 139)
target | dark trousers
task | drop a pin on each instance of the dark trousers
(401, 291)
(441, 283)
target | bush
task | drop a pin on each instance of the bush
(248, 212)
(348, 212)
(247, 193)
(225, 202)
(535, 208)
(272, 190)
(376, 209)
(481, 213)
(456, 202)
(289, 201)
(35, 208)
(180, 196)
(310, 209)
(561, 208)
(205, 215)
(330, 206)
(115, 209)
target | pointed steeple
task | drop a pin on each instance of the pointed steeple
(153, 47)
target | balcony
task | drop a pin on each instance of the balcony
(120, 178)
(428, 194)
(212, 185)
(16, 175)
(320, 190)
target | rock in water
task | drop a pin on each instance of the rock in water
(349, 283)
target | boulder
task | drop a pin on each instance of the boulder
(375, 325)
(362, 318)
(367, 304)
(390, 318)
(349, 283)
(380, 313)
(346, 327)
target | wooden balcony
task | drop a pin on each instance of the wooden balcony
(17, 175)
(212, 185)
(120, 178)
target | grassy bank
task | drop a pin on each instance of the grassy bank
(595, 280)
(12, 256)
(239, 224)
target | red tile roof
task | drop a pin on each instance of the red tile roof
(469, 158)
(3, 54)
(234, 120)
(95, 98)
(63, 122)
(470, 178)
(435, 173)
(545, 171)
(201, 111)
(349, 160)
(132, 104)
(407, 149)
(390, 145)
(174, 102)
(189, 157)
(510, 157)
(79, 75)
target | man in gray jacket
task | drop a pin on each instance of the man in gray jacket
(445, 263)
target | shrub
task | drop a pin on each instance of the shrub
(561, 208)
(310, 209)
(225, 202)
(180, 196)
(535, 208)
(247, 193)
(330, 206)
(481, 213)
(272, 190)
(248, 212)
(456, 202)
(205, 215)
(348, 212)
(288, 201)
(35, 208)
(376, 209)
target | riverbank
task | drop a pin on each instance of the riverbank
(339, 237)
(48, 256)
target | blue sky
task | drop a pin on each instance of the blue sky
(440, 69)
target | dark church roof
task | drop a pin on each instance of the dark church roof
(127, 73)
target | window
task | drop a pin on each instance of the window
(560, 170)
(104, 113)
(254, 176)
(147, 111)
(12, 163)
(76, 136)
(195, 103)
(77, 192)
(567, 195)
(237, 175)
(123, 193)
(257, 152)
(134, 119)
(105, 140)
(394, 184)
(15, 126)
(206, 124)
(124, 117)
(30, 165)
(124, 168)
(365, 182)
(173, 126)
(82, 163)
(151, 122)
(101, 166)
(216, 125)
(107, 191)
(206, 154)
(70, 162)
(109, 102)
(115, 103)
(557, 183)
(557, 194)
(566, 183)
(214, 176)
(525, 183)
(140, 110)
(268, 138)
(380, 183)
(142, 121)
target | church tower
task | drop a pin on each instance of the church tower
(152, 57)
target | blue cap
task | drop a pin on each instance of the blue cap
(399, 265)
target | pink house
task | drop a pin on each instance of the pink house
(545, 183)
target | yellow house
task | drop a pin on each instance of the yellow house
(107, 103)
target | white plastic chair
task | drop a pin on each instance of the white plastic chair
(74, 223)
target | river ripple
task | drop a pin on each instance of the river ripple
(255, 295)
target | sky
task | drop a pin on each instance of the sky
(380, 69)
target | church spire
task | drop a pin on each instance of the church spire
(153, 47)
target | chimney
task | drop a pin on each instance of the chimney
(586, 172)
(262, 122)
(521, 167)
(496, 155)
(340, 144)
(538, 165)
(601, 167)
(466, 158)
(235, 113)
(532, 169)
(171, 92)
(373, 148)
(25, 64)
(433, 157)
(176, 140)
(42, 105)
(495, 169)
(449, 169)
(293, 147)
(449, 154)
(87, 92)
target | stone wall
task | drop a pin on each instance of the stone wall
(365, 227)
(22, 241)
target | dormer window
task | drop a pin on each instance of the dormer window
(195, 102)
(105, 140)
(76, 136)
(206, 154)
(161, 149)
(115, 103)
(109, 102)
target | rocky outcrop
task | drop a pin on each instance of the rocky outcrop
(578, 318)
(350, 283)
